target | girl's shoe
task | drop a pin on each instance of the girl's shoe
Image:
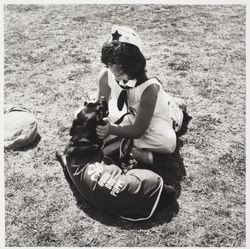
(140, 155)
(177, 107)
(144, 156)
(181, 103)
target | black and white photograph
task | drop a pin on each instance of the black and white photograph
(124, 124)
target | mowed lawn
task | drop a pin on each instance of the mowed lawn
(51, 63)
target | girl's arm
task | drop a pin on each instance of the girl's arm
(103, 87)
(144, 116)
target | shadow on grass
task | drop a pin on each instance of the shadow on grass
(30, 146)
(170, 167)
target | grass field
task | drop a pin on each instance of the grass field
(51, 62)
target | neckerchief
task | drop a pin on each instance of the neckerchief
(123, 99)
(125, 86)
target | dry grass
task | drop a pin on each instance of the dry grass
(52, 58)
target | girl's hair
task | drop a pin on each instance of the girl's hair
(127, 55)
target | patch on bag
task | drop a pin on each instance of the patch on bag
(20, 127)
(105, 179)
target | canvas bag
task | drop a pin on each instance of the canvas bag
(20, 127)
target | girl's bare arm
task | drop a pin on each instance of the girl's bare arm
(103, 87)
(144, 116)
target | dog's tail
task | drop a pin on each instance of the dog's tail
(62, 159)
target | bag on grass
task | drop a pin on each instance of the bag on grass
(20, 127)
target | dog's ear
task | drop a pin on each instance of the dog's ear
(85, 103)
(105, 108)
(98, 113)
(102, 109)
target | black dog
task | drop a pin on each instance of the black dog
(133, 195)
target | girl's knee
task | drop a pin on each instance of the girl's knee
(158, 141)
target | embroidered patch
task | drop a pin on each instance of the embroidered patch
(95, 171)
(105, 180)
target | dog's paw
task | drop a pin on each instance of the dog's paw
(168, 193)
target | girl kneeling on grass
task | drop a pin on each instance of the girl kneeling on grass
(154, 115)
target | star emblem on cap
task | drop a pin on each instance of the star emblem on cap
(116, 36)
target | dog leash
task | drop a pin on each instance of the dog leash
(115, 139)
(127, 155)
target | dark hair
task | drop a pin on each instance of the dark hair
(127, 55)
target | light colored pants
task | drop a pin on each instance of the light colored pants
(159, 137)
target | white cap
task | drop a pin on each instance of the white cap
(126, 35)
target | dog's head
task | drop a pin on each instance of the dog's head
(83, 129)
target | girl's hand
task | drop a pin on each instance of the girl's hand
(103, 130)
